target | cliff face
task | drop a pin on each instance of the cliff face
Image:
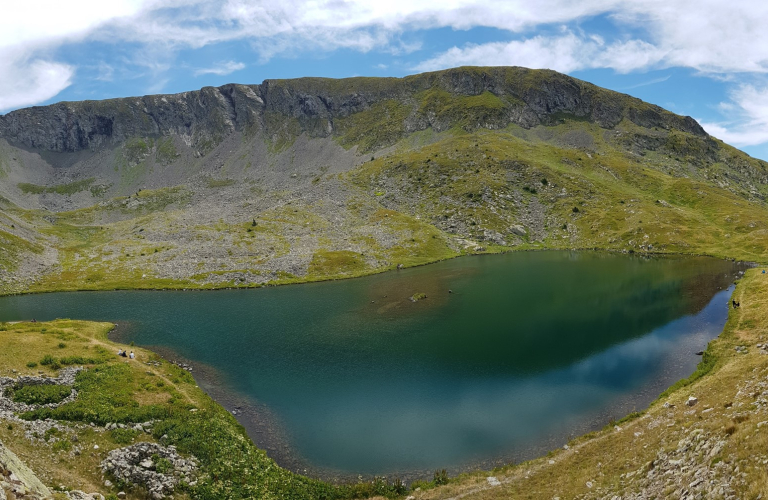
(526, 98)
(296, 180)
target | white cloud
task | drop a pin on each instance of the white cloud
(37, 22)
(24, 82)
(221, 69)
(566, 53)
(711, 36)
(647, 83)
(748, 110)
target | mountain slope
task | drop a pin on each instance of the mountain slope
(297, 180)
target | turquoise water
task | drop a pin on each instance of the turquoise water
(528, 350)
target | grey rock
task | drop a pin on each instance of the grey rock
(210, 113)
(518, 230)
(81, 495)
(135, 464)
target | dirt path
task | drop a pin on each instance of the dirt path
(150, 368)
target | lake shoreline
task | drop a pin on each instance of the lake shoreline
(192, 287)
(265, 430)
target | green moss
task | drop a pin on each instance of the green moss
(99, 190)
(137, 149)
(335, 263)
(13, 249)
(123, 436)
(381, 125)
(40, 394)
(465, 112)
(280, 131)
(218, 183)
(63, 189)
(166, 151)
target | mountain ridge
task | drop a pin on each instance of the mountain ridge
(84, 124)
(306, 179)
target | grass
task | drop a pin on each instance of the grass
(218, 183)
(126, 391)
(166, 151)
(476, 186)
(62, 189)
(14, 249)
(115, 390)
(488, 180)
(336, 263)
(40, 394)
(381, 125)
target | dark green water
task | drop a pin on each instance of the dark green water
(350, 376)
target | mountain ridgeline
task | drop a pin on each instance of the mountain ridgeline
(306, 179)
(470, 98)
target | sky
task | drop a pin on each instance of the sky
(704, 58)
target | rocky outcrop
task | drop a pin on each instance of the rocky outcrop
(17, 480)
(66, 378)
(528, 98)
(157, 468)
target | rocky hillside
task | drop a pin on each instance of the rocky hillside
(298, 180)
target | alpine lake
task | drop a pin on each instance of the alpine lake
(508, 356)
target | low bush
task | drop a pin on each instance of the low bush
(441, 477)
(40, 394)
(47, 360)
(104, 395)
(123, 436)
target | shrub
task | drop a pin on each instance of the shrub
(441, 477)
(47, 360)
(104, 395)
(41, 394)
(52, 432)
(162, 465)
(31, 364)
(123, 436)
(79, 360)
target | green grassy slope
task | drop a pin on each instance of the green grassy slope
(338, 178)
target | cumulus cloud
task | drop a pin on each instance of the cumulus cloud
(748, 110)
(221, 69)
(711, 36)
(708, 35)
(566, 53)
(31, 29)
(25, 82)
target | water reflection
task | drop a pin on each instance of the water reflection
(351, 376)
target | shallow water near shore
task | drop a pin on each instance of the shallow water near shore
(509, 356)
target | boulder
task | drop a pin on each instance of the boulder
(518, 230)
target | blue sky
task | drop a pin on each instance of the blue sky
(703, 58)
